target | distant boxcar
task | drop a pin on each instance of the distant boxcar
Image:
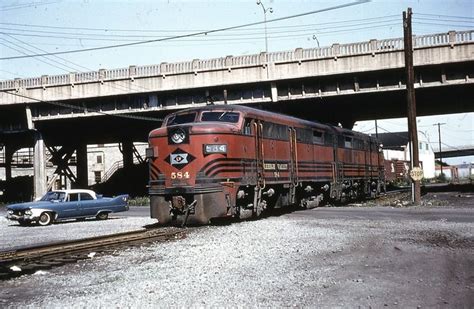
(397, 171)
(234, 161)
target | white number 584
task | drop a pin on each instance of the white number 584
(180, 175)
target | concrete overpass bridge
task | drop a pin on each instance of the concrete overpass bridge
(342, 83)
(453, 152)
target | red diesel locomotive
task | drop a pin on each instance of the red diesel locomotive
(235, 161)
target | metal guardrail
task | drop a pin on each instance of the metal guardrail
(115, 167)
(336, 50)
(23, 157)
(19, 158)
(51, 182)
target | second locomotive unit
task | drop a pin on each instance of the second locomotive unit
(235, 161)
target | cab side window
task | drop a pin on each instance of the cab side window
(248, 127)
(318, 137)
(348, 142)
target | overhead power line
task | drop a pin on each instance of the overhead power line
(87, 36)
(446, 20)
(18, 48)
(193, 34)
(63, 63)
(448, 16)
(108, 30)
(299, 33)
(24, 5)
(443, 24)
(369, 130)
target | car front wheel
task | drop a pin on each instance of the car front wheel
(45, 219)
(102, 216)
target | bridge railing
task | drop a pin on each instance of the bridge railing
(244, 60)
(464, 36)
(86, 77)
(336, 50)
(116, 73)
(389, 45)
(148, 70)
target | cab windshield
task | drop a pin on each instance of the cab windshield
(54, 196)
(231, 117)
(181, 118)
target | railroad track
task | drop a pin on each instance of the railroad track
(27, 260)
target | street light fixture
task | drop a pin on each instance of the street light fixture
(265, 10)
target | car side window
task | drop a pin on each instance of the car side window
(86, 197)
(73, 197)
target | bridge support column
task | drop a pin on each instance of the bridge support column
(8, 162)
(274, 92)
(81, 168)
(127, 152)
(39, 166)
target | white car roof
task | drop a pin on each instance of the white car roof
(77, 191)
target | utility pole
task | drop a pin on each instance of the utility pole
(439, 143)
(411, 102)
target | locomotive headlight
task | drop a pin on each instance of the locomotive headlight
(215, 148)
(178, 136)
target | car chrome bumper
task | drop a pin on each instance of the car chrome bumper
(22, 217)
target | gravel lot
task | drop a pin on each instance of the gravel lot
(12, 235)
(325, 257)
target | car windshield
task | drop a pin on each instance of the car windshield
(54, 196)
(231, 117)
(181, 118)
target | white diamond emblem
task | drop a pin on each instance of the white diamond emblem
(179, 158)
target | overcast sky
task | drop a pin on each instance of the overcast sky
(29, 27)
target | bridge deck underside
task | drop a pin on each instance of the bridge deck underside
(336, 109)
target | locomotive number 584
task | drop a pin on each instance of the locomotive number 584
(180, 175)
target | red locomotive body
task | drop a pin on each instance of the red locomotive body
(227, 160)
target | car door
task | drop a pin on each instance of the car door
(69, 208)
(89, 206)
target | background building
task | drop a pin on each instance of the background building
(396, 147)
(103, 161)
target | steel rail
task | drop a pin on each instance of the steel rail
(31, 258)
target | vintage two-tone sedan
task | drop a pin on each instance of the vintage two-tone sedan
(66, 204)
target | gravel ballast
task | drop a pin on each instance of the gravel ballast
(297, 259)
(12, 235)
